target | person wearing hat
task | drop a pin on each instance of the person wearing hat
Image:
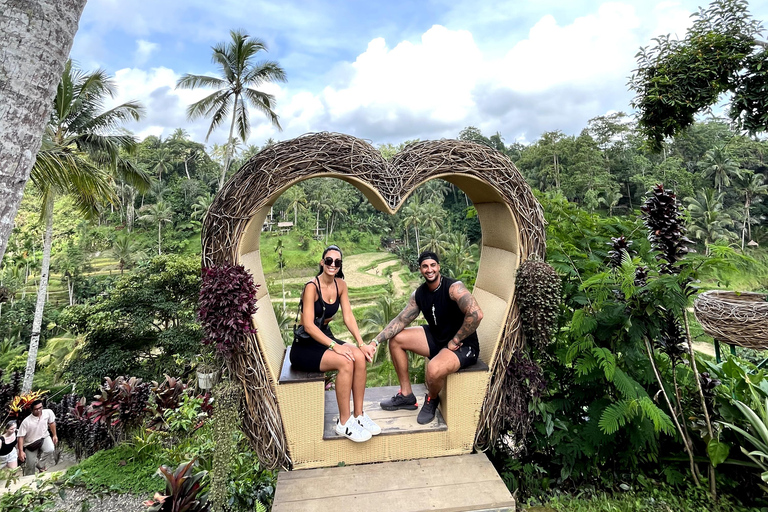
(449, 339)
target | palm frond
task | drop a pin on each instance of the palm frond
(265, 71)
(189, 81)
(114, 118)
(263, 102)
(241, 120)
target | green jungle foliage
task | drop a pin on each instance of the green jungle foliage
(142, 326)
(124, 289)
(644, 499)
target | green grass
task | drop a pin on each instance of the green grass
(116, 470)
(649, 500)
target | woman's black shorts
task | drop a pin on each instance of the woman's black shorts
(306, 355)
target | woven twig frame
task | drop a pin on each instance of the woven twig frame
(732, 317)
(329, 154)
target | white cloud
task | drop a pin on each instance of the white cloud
(556, 74)
(143, 51)
(593, 48)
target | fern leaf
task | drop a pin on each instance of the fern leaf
(627, 386)
(584, 345)
(661, 421)
(606, 360)
(617, 415)
(582, 323)
(585, 365)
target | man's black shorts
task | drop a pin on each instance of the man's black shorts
(467, 354)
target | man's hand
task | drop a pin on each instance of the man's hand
(368, 350)
(22, 456)
(454, 345)
(55, 440)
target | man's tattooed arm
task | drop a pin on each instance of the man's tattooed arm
(472, 313)
(406, 316)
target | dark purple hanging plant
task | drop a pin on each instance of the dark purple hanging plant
(227, 303)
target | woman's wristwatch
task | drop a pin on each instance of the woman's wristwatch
(330, 347)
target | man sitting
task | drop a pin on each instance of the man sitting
(449, 339)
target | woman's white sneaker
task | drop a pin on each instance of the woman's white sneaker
(352, 430)
(368, 424)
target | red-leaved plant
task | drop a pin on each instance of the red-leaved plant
(227, 302)
(183, 491)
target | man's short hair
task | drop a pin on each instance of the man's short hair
(428, 255)
(36, 403)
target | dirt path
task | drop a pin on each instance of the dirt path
(704, 348)
(354, 276)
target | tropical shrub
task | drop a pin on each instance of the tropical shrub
(145, 323)
(227, 304)
(183, 490)
(615, 357)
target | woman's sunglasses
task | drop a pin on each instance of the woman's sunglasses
(331, 261)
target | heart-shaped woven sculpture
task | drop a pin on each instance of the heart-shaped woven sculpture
(512, 226)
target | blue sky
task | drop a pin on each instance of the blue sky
(388, 71)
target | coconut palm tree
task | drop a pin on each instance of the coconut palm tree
(157, 213)
(202, 203)
(37, 36)
(281, 262)
(126, 251)
(80, 151)
(610, 198)
(376, 319)
(296, 198)
(436, 190)
(709, 221)
(720, 166)
(236, 89)
(412, 218)
(435, 239)
(752, 187)
(458, 257)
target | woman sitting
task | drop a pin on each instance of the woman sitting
(321, 351)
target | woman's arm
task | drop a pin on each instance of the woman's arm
(351, 323)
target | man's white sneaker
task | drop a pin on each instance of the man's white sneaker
(352, 430)
(368, 424)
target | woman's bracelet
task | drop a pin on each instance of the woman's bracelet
(333, 344)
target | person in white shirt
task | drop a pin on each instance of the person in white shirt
(35, 440)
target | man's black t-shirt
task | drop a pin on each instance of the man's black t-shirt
(442, 313)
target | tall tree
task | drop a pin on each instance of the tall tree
(709, 221)
(159, 213)
(721, 52)
(718, 165)
(81, 145)
(751, 187)
(36, 38)
(126, 251)
(236, 89)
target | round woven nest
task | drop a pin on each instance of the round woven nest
(737, 318)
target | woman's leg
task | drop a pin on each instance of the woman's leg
(358, 381)
(13, 459)
(333, 361)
